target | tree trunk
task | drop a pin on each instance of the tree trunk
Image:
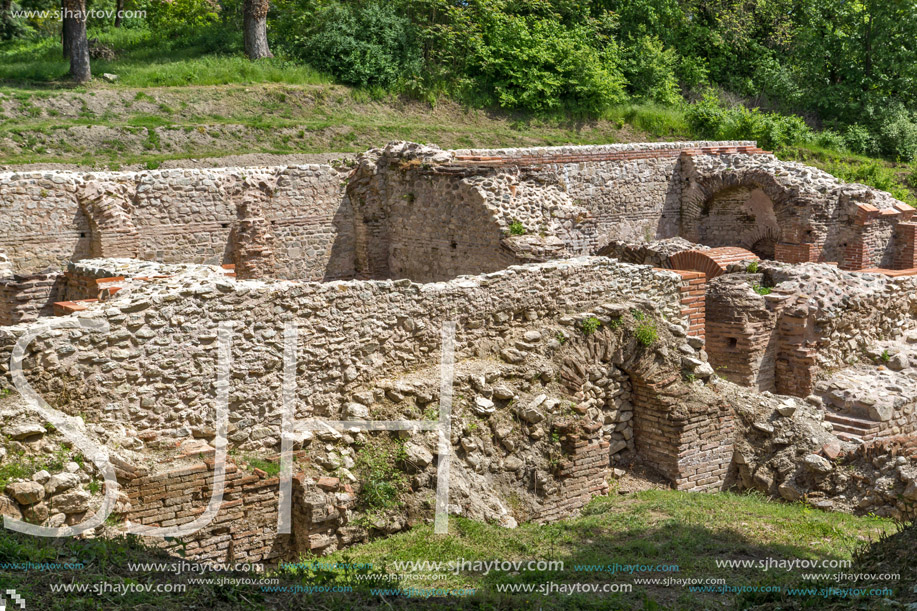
(255, 29)
(119, 8)
(66, 33)
(75, 32)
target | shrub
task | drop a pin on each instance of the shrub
(752, 267)
(516, 228)
(527, 62)
(831, 139)
(898, 136)
(762, 290)
(650, 71)
(860, 140)
(646, 333)
(366, 44)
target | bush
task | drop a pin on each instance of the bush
(860, 140)
(646, 333)
(367, 44)
(169, 18)
(708, 118)
(590, 325)
(529, 63)
(650, 71)
(898, 136)
(831, 139)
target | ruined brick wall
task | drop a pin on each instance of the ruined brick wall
(24, 298)
(634, 191)
(742, 335)
(692, 449)
(245, 527)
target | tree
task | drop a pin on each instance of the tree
(76, 44)
(255, 29)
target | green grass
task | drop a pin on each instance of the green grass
(145, 60)
(689, 530)
(272, 468)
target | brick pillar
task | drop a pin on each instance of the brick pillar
(582, 473)
(856, 252)
(693, 451)
(693, 301)
(796, 365)
(905, 245)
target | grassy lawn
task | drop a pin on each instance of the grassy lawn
(652, 528)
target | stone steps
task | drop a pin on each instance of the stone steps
(847, 427)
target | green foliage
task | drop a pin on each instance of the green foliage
(646, 333)
(762, 290)
(752, 267)
(590, 325)
(898, 135)
(381, 482)
(169, 18)
(516, 228)
(709, 118)
(368, 44)
(650, 71)
(885, 356)
(270, 467)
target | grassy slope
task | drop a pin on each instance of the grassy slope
(189, 98)
(653, 527)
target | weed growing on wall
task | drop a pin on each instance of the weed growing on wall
(590, 325)
(381, 481)
(516, 228)
(646, 333)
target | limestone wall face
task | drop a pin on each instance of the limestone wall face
(156, 367)
(179, 216)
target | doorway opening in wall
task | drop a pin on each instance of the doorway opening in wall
(765, 248)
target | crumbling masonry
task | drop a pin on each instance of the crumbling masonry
(700, 308)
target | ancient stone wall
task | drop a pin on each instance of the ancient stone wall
(174, 216)
(158, 362)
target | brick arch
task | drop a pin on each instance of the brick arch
(711, 262)
(108, 208)
(685, 438)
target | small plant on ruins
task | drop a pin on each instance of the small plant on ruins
(516, 228)
(762, 290)
(381, 481)
(590, 325)
(269, 467)
(690, 378)
(561, 338)
(637, 314)
(885, 356)
(431, 413)
(615, 323)
(472, 426)
(646, 333)
(752, 267)
(94, 486)
(555, 437)
(4, 392)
